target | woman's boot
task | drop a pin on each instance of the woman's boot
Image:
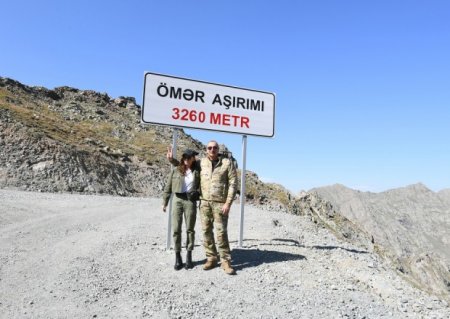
(189, 264)
(178, 261)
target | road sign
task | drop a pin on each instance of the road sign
(181, 102)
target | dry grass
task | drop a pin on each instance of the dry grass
(86, 134)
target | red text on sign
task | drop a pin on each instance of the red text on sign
(229, 120)
(214, 118)
(188, 115)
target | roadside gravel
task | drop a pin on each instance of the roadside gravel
(79, 256)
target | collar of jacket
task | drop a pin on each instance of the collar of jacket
(219, 161)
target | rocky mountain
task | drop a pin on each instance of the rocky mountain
(70, 140)
(444, 195)
(410, 226)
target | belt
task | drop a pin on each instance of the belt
(181, 195)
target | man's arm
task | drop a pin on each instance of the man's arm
(232, 188)
(232, 184)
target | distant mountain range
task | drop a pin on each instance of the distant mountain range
(410, 226)
(82, 141)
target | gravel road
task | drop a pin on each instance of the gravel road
(79, 256)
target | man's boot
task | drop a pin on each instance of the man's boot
(210, 264)
(226, 266)
(178, 261)
(189, 264)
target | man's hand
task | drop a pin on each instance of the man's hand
(226, 209)
(169, 154)
(164, 208)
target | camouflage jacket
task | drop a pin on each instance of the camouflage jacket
(220, 184)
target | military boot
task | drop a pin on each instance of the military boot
(210, 264)
(226, 266)
(178, 261)
(189, 264)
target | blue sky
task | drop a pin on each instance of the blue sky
(362, 87)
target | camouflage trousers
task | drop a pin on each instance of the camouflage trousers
(183, 207)
(212, 217)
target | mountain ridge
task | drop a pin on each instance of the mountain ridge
(409, 225)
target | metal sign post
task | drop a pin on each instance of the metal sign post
(169, 215)
(242, 196)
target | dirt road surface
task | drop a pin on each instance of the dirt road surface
(77, 256)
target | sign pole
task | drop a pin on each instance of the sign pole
(169, 215)
(242, 196)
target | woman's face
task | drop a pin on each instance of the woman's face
(189, 161)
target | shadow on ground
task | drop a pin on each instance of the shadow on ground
(355, 251)
(247, 258)
(252, 256)
(296, 243)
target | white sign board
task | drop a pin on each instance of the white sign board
(175, 101)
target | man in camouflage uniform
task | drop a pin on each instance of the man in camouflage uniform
(218, 184)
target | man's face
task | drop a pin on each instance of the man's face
(212, 150)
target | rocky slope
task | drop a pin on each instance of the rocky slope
(444, 196)
(410, 226)
(71, 140)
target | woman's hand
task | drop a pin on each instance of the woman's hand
(164, 208)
